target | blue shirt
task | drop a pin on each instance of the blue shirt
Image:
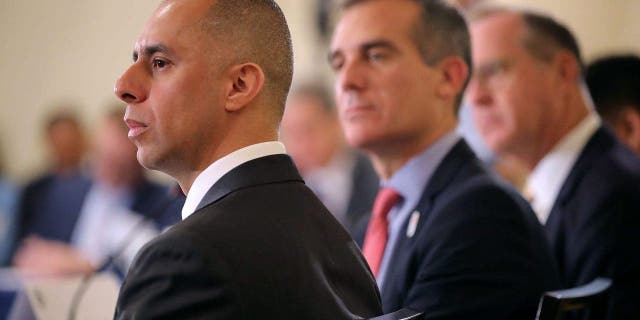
(410, 181)
(8, 202)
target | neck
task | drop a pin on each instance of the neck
(185, 178)
(389, 159)
(575, 112)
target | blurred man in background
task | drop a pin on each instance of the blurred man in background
(342, 178)
(614, 84)
(530, 103)
(51, 204)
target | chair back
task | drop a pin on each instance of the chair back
(402, 314)
(589, 299)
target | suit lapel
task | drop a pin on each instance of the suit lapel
(444, 174)
(598, 144)
(264, 170)
(459, 156)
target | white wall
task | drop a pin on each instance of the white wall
(57, 51)
(73, 50)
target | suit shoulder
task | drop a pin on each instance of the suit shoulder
(168, 269)
(484, 193)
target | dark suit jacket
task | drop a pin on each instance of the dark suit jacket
(363, 193)
(478, 251)
(594, 224)
(260, 246)
(50, 206)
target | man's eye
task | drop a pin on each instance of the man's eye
(335, 64)
(159, 63)
(375, 56)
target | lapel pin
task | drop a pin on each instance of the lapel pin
(413, 224)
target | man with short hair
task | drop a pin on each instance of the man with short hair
(614, 85)
(530, 103)
(204, 96)
(445, 237)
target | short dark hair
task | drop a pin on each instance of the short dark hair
(440, 32)
(257, 31)
(546, 35)
(614, 83)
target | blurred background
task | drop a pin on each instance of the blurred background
(68, 53)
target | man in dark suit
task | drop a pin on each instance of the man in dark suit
(205, 94)
(453, 242)
(530, 103)
(341, 177)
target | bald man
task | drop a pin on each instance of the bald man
(204, 96)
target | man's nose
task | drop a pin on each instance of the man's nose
(130, 87)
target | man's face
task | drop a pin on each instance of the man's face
(385, 92)
(512, 93)
(173, 89)
(311, 134)
(66, 141)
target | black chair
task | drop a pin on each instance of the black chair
(590, 299)
(402, 314)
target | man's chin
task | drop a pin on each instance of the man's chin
(146, 161)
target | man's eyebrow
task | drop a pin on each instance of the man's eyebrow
(385, 44)
(151, 50)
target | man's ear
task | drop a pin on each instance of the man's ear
(567, 66)
(455, 73)
(628, 127)
(247, 80)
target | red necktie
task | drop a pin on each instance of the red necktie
(376, 238)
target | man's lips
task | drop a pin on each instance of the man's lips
(136, 128)
(357, 110)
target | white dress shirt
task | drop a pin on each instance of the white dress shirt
(207, 178)
(549, 175)
(105, 223)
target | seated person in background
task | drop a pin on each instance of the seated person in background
(529, 102)
(614, 84)
(50, 205)
(205, 95)
(445, 237)
(109, 222)
(8, 201)
(342, 178)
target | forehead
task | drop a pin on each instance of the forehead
(497, 35)
(374, 20)
(173, 20)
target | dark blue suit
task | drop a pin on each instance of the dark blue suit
(478, 251)
(594, 224)
(50, 206)
(363, 193)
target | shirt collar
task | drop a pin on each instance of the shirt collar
(207, 178)
(548, 176)
(411, 180)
